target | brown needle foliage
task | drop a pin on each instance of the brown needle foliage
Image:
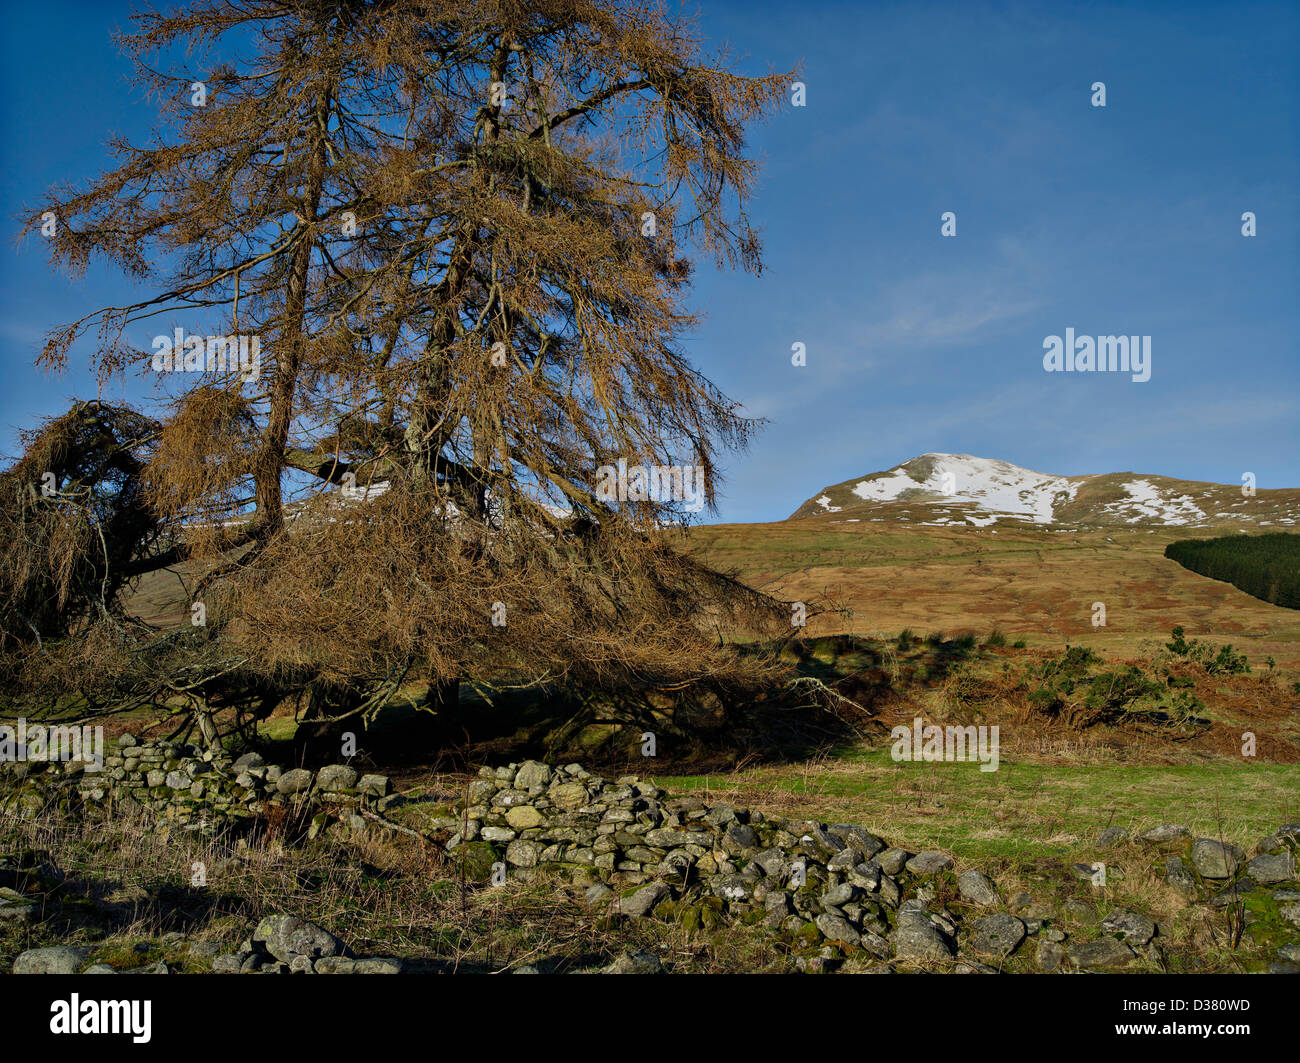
(73, 514)
(459, 232)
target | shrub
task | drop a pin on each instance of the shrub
(1215, 660)
(1075, 688)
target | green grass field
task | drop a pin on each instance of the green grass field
(1027, 808)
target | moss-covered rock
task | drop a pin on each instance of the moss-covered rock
(476, 858)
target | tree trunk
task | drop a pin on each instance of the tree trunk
(271, 458)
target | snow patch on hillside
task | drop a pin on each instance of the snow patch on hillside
(1146, 503)
(998, 487)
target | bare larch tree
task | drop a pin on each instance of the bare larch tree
(452, 238)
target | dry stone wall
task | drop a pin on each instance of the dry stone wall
(202, 789)
(830, 891)
(836, 895)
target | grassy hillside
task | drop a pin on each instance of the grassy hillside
(1031, 582)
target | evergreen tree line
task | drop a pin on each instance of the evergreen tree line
(1265, 566)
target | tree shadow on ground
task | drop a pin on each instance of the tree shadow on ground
(843, 683)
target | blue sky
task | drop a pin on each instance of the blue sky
(1117, 220)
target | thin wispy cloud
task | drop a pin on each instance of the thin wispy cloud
(933, 310)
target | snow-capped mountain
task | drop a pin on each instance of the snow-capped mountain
(960, 489)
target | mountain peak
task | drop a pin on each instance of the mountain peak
(938, 488)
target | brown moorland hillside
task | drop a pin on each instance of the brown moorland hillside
(1035, 582)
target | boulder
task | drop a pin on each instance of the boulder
(917, 938)
(1272, 868)
(522, 853)
(56, 959)
(1215, 859)
(929, 863)
(287, 936)
(1051, 955)
(998, 935)
(374, 785)
(524, 817)
(569, 796)
(294, 782)
(335, 777)
(1100, 955)
(1133, 928)
(1165, 834)
(643, 901)
(837, 928)
(533, 776)
(978, 888)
